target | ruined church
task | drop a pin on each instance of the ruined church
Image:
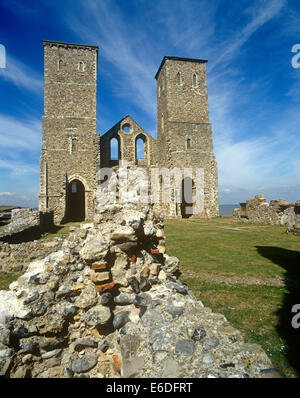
(73, 151)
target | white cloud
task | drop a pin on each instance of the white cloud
(16, 135)
(6, 194)
(123, 48)
(21, 75)
(260, 16)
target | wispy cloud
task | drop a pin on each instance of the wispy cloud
(6, 194)
(122, 48)
(19, 135)
(260, 16)
(21, 75)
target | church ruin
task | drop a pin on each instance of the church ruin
(73, 151)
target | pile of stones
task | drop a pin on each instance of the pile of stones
(109, 304)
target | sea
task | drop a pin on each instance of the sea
(226, 210)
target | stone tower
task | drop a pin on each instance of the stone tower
(184, 135)
(70, 155)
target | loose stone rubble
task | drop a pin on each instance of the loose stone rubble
(109, 304)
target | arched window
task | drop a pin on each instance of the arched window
(81, 66)
(74, 187)
(188, 143)
(140, 149)
(60, 65)
(179, 78)
(74, 144)
(194, 80)
(114, 149)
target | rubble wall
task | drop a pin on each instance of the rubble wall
(109, 303)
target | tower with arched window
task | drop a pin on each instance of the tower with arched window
(70, 155)
(184, 133)
(72, 150)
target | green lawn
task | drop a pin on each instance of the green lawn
(222, 246)
(261, 313)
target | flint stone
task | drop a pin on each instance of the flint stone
(68, 311)
(79, 344)
(177, 288)
(87, 298)
(67, 289)
(125, 298)
(139, 301)
(87, 362)
(5, 351)
(51, 354)
(144, 284)
(184, 347)
(28, 346)
(39, 309)
(95, 248)
(4, 335)
(22, 332)
(208, 358)
(126, 247)
(210, 343)
(151, 317)
(51, 343)
(198, 334)
(34, 296)
(120, 319)
(104, 345)
(134, 284)
(123, 234)
(97, 315)
(171, 265)
(106, 298)
(158, 340)
(174, 310)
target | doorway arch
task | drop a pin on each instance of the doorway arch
(75, 201)
(187, 197)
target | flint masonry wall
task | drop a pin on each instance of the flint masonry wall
(184, 131)
(277, 212)
(184, 137)
(70, 147)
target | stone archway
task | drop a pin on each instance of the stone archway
(186, 197)
(75, 201)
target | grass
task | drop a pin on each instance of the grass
(2, 208)
(262, 313)
(7, 278)
(220, 245)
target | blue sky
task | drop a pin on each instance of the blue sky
(254, 92)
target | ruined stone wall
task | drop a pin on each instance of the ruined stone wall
(127, 144)
(184, 133)
(21, 219)
(257, 210)
(109, 304)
